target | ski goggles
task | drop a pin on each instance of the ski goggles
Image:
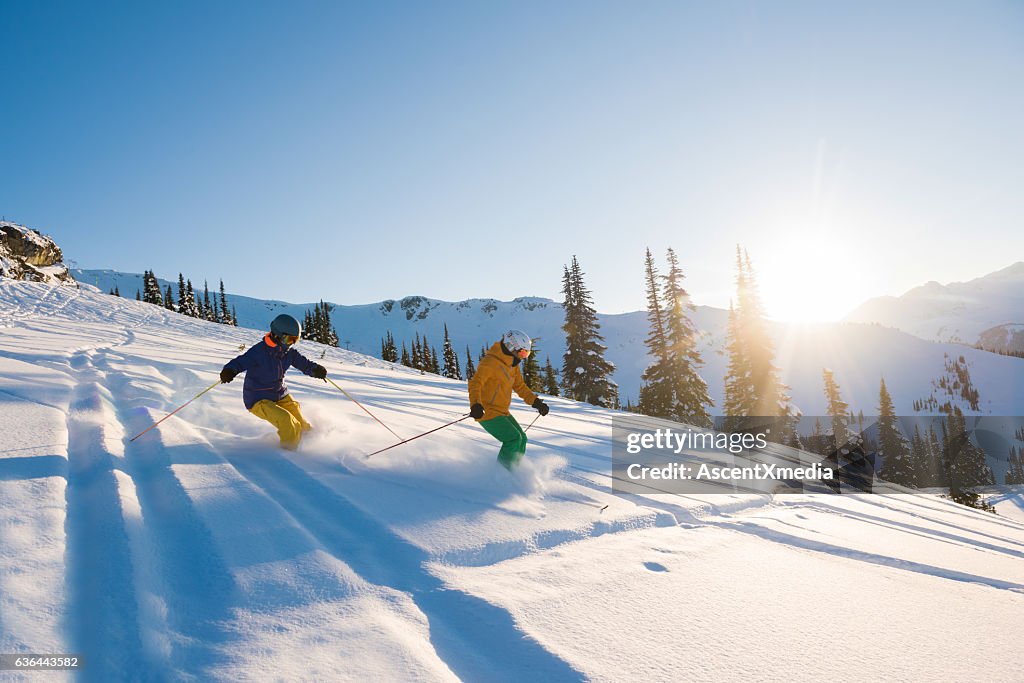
(523, 353)
(289, 339)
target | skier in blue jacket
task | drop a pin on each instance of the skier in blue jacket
(264, 392)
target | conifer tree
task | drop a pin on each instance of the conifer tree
(451, 359)
(406, 360)
(470, 367)
(656, 392)
(1015, 468)
(966, 466)
(389, 351)
(836, 409)
(234, 316)
(531, 371)
(586, 375)
(417, 353)
(308, 331)
(206, 310)
(169, 300)
(550, 379)
(898, 467)
(190, 306)
(227, 317)
(151, 289)
(753, 388)
(690, 399)
(138, 297)
(117, 292)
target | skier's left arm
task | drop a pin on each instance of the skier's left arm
(306, 365)
(520, 387)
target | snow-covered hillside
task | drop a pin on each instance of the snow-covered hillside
(860, 354)
(202, 552)
(958, 311)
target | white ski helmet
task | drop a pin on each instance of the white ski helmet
(516, 341)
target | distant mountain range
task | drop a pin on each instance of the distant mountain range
(964, 312)
(858, 352)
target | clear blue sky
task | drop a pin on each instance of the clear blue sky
(358, 152)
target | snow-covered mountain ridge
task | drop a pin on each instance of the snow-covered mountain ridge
(859, 354)
(957, 312)
(203, 552)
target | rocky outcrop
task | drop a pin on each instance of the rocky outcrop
(26, 254)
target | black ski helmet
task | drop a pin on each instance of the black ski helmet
(284, 326)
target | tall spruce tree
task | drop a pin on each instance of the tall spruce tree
(690, 399)
(206, 312)
(754, 393)
(169, 300)
(451, 359)
(586, 375)
(898, 466)
(531, 370)
(836, 408)
(1015, 468)
(656, 392)
(190, 299)
(966, 465)
(550, 379)
(470, 366)
(227, 317)
(151, 289)
(406, 359)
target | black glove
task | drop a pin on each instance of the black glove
(541, 407)
(476, 411)
(227, 374)
(319, 372)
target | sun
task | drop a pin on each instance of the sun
(810, 277)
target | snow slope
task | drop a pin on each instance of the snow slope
(859, 354)
(202, 552)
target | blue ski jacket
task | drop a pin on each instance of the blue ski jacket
(264, 366)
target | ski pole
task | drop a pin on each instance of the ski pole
(413, 438)
(176, 410)
(531, 423)
(363, 407)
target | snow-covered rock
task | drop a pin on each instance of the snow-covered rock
(27, 254)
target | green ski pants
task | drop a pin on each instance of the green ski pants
(505, 429)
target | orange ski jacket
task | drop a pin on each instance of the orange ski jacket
(494, 381)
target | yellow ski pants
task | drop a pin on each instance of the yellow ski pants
(286, 416)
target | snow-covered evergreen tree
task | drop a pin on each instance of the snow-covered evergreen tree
(169, 300)
(690, 398)
(151, 289)
(586, 375)
(451, 359)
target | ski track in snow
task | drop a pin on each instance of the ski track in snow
(157, 579)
